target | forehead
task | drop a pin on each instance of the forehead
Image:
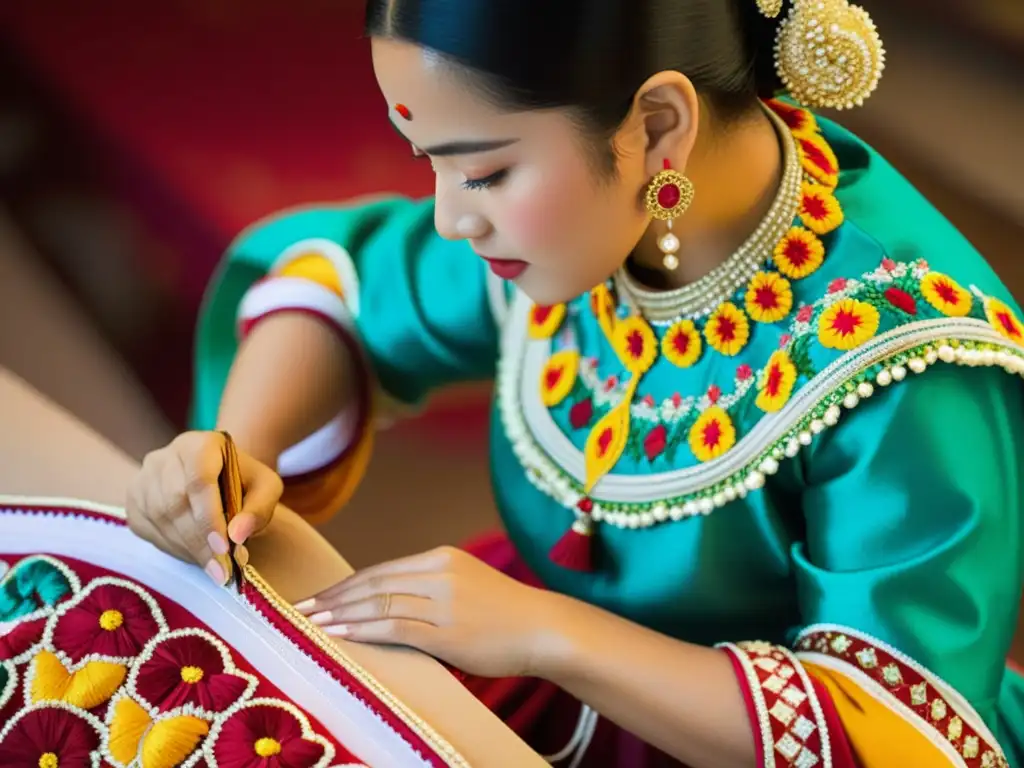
(420, 80)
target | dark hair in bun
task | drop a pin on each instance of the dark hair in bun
(593, 55)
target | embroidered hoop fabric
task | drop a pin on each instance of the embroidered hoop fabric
(112, 659)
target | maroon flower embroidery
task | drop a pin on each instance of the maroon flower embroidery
(107, 619)
(49, 736)
(188, 668)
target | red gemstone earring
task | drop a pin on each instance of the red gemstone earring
(668, 197)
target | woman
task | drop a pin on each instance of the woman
(759, 510)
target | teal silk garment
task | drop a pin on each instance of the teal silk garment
(884, 493)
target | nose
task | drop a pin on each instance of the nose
(454, 220)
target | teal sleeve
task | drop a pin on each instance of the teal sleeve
(913, 536)
(424, 320)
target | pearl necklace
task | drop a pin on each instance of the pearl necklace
(701, 298)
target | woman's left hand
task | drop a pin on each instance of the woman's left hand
(446, 603)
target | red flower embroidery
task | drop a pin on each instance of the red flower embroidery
(837, 285)
(21, 638)
(611, 383)
(188, 668)
(648, 401)
(581, 413)
(744, 372)
(677, 399)
(107, 619)
(805, 314)
(901, 300)
(784, 341)
(48, 735)
(888, 264)
(655, 442)
(262, 735)
(714, 393)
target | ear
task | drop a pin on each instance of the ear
(668, 108)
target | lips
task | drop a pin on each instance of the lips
(507, 269)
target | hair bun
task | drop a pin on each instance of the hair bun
(828, 54)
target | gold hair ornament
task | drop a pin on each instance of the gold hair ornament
(827, 52)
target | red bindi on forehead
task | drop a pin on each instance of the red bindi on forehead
(403, 111)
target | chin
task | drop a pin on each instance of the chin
(548, 292)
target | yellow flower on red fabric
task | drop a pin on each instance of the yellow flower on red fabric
(545, 320)
(776, 384)
(728, 329)
(712, 434)
(635, 344)
(769, 297)
(800, 121)
(818, 160)
(847, 324)
(682, 344)
(819, 209)
(799, 254)
(1004, 320)
(946, 295)
(558, 377)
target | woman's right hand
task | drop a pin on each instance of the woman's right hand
(174, 501)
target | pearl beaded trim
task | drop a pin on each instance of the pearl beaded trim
(701, 298)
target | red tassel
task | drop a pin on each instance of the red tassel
(574, 550)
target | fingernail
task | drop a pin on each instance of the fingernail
(241, 528)
(338, 630)
(321, 618)
(304, 605)
(241, 555)
(217, 543)
(216, 572)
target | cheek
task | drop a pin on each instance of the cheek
(538, 216)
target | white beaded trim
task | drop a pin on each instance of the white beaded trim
(7, 692)
(227, 667)
(74, 587)
(308, 734)
(95, 757)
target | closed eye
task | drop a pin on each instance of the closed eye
(487, 181)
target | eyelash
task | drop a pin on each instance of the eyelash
(485, 183)
(472, 184)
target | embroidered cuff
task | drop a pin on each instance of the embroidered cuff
(925, 701)
(789, 725)
(330, 444)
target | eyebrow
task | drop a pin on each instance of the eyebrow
(466, 147)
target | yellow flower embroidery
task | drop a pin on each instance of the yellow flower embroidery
(818, 160)
(769, 297)
(682, 344)
(847, 324)
(558, 377)
(819, 210)
(799, 253)
(602, 304)
(1004, 320)
(712, 434)
(728, 330)
(636, 344)
(946, 295)
(544, 321)
(800, 121)
(777, 381)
